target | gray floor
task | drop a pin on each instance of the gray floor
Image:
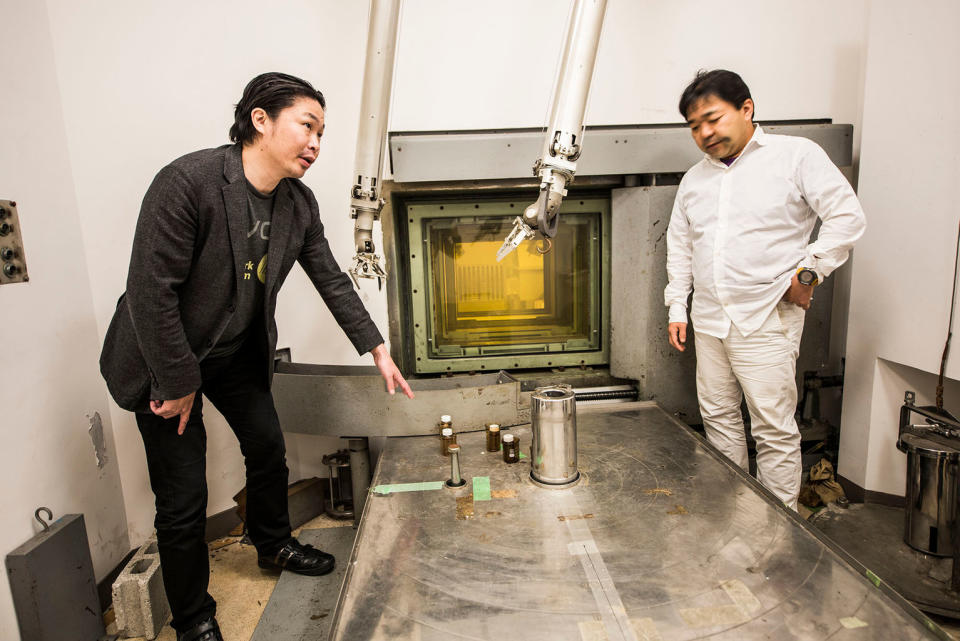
(873, 534)
(300, 607)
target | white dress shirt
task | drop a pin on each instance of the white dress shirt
(737, 234)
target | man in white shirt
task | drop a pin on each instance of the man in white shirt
(739, 237)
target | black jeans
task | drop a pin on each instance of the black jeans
(237, 387)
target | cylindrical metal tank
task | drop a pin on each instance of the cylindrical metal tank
(931, 501)
(553, 451)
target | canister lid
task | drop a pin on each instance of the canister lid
(930, 444)
(493, 427)
(447, 431)
(554, 393)
(446, 418)
(508, 438)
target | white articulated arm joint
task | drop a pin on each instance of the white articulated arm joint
(365, 207)
(366, 202)
(554, 178)
(563, 141)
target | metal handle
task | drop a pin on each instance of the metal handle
(36, 515)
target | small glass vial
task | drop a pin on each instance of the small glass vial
(511, 448)
(446, 421)
(447, 438)
(493, 437)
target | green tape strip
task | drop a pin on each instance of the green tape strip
(481, 488)
(873, 578)
(408, 487)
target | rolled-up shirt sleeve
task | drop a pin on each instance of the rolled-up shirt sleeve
(831, 197)
(679, 263)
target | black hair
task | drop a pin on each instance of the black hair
(725, 85)
(273, 92)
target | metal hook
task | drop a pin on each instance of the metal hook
(36, 515)
(549, 246)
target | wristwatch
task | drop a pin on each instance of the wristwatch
(807, 276)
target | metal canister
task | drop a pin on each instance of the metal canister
(931, 501)
(553, 451)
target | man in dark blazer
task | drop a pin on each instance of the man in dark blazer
(218, 232)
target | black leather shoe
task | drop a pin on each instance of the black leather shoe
(204, 631)
(299, 558)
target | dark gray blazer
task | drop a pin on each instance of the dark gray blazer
(182, 283)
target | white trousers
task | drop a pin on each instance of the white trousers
(761, 367)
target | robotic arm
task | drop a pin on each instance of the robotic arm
(365, 200)
(563, 142)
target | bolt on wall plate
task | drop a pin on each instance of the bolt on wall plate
(13, 260)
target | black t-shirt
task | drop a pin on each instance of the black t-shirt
(253, 267)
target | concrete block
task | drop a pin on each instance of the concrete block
(139, 600)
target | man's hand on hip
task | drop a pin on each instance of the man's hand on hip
(799, 294)
(388, 369)
(678, 335)
(178, 407)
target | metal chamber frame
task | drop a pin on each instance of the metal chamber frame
(422, 300)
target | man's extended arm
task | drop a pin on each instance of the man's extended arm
(679, 274)
(389, 370)
(335, 287)
(337, 291)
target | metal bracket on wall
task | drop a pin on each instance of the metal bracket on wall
(13, 260)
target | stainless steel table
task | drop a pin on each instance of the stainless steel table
(661, 539)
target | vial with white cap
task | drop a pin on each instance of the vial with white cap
(493, 437)
(446, 421)
(511, 448)
(447, 438)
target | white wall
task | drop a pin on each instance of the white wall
(49, 336)
(112, 90)
(144, 83)
(495, 67)
(902, 275)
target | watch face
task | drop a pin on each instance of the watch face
(806, 277)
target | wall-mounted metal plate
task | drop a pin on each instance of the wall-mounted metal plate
(13, 260)
(607, 150)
